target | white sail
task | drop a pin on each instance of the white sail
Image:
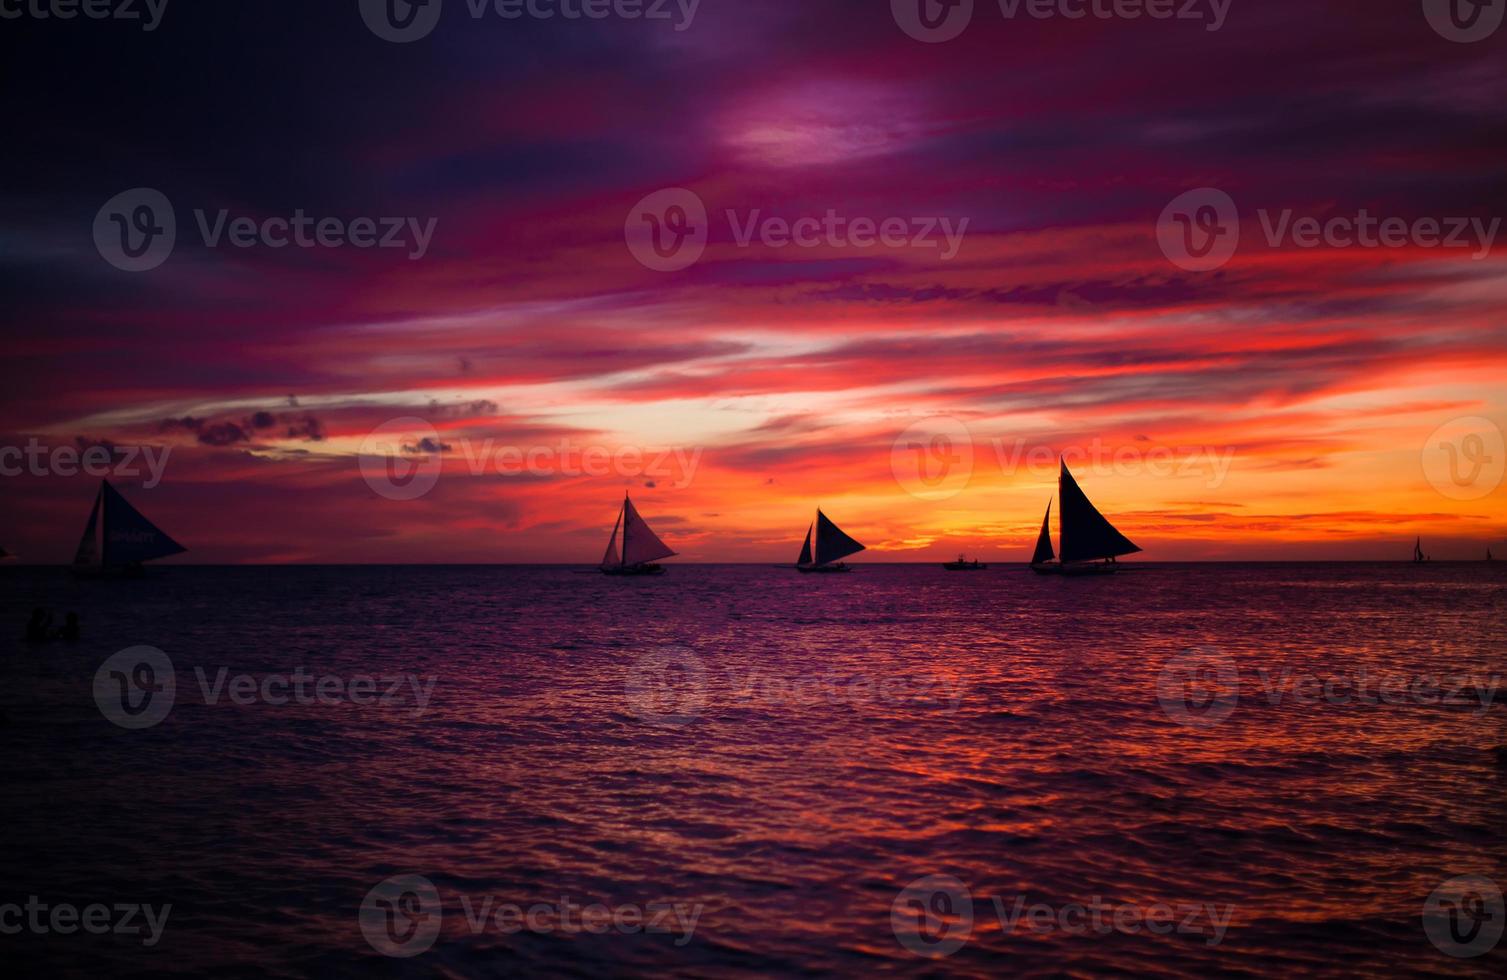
(640, 544)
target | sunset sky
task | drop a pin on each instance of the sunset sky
(1280, 406)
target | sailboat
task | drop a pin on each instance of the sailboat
(118, 538)
(1090, 544)
(1488, 554)
(1418, 556)
(641, 546)
(832, 545)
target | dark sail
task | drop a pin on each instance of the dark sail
(640, 544)
(1085, 534)
(129, 537)
(88, 546)
(1044, 551)
(805, 558)
(831, 543)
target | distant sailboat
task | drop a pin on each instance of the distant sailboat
(641, 546)
(832, 545)
(118, 538)
(1090, 544)
(1418, 556)
(1488, 554)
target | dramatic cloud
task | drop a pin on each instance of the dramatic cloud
(787, 361)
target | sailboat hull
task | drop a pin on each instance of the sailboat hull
(823, 569)
(106, 571)
(1089, 568)
(635, 570)
(1076, 569)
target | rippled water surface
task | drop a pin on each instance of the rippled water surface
(778, 755)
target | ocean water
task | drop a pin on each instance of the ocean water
(903, 771)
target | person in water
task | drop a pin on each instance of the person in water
(70, 631)
(39, 627)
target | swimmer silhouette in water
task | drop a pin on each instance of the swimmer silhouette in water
(70, 631)
(39, 627)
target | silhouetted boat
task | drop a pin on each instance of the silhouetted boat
(964, 565)
(1488, 554)
(118, 539)
(1418, 556)
(641, 547)
(832, 545)
(1090, 544)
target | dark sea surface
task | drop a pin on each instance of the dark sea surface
(773, 758)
